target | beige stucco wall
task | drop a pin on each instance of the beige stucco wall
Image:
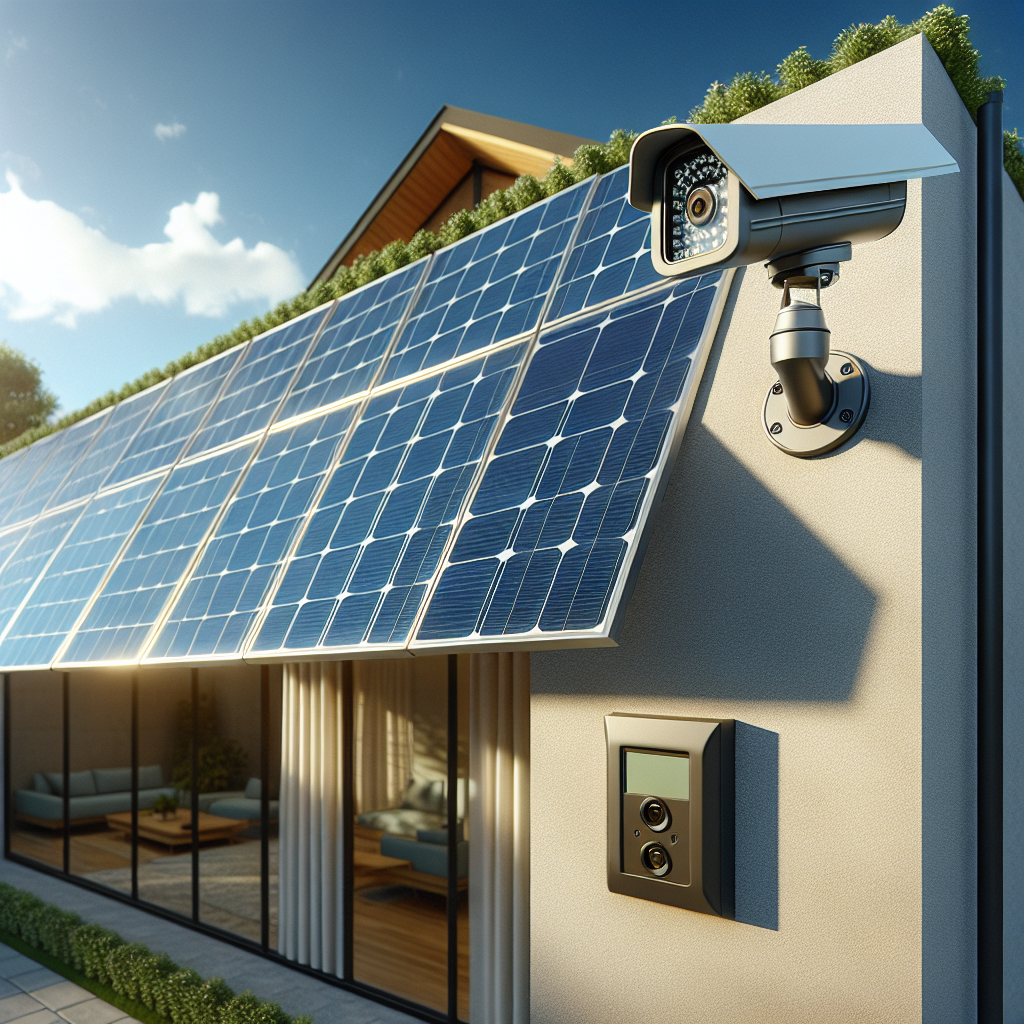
(828, 603)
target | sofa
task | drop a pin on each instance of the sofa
(427, 855)
(244, 806)
(94, 794)
(423, 807)
(97, 792)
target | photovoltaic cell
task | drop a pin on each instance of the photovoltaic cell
(349, 351)
(559, 507)
(612, 253)
(9, 468)
(69, 447)
(187, 400)
(27, 561)
(134, 596)
(219, 604)
(125, 419)
(362, 568)
(55, 604)
(267, 367)
(489, 287)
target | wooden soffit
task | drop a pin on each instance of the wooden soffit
(455, 142)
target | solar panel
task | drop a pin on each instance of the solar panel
(215, 610)
(361, 571)
(564, 499)
(187, 400)
(267, 368)
(489, 287)
(40, 540)
(68, 448)
(350, 349)
(130, 603)
(21, 477)
(125, 419)
(612, 252)
(54, 605)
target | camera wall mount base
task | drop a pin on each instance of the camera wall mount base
(851, 397)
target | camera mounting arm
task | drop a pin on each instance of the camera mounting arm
(796, 198)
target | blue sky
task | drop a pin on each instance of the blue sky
(276, 123)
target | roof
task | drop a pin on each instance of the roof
(455, 143)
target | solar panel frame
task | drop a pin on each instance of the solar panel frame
(607, 632)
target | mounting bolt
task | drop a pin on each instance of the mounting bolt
(846, 369)
(636, 832)
(846, 415)
(776, 428)
(777, 389)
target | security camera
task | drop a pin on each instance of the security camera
(796, 197)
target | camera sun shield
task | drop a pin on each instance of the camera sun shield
(670, 811)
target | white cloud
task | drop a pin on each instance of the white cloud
(52, 264)
(14, 44)
(168, 131)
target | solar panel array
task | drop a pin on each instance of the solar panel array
(464, 452)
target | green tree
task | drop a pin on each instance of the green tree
(24, 402)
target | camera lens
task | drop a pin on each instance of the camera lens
(654, 814)
(655, 858)
(700, 206)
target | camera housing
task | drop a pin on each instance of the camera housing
(670, 810)
(731, 195)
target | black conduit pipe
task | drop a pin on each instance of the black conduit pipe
(990, 560)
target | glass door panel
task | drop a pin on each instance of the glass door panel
(165, 842)
(36, 733)
(100, 753)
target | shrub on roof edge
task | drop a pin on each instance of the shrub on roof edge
(948, 33)
(178, 994)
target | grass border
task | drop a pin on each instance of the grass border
(136, 1010)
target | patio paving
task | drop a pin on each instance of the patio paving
(296, 993)
(30, 994)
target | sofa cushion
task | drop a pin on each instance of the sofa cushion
(39, 783)
(253, 789)
(242, 808)
(430, 858)
(82, 783)
(400, 821)
(425, 796)
(439, 835)
(151, 776)
(113, 780)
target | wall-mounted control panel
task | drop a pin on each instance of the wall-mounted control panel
(671, 810)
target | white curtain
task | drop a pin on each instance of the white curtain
(499, 843)
(311, 886)
(382, 702)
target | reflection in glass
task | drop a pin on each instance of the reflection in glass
(229, 800)
(400, 856)
(36, 766)
(100, 752)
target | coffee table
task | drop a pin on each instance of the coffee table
(366, 867)
(175, 831)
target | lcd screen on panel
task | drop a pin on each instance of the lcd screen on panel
(664, 775)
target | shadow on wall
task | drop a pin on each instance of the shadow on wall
(736, 599)
(895, 413)
(757, 826)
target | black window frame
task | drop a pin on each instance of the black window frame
(262, 948)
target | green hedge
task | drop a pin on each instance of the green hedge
(177, 994)
(948, 33)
